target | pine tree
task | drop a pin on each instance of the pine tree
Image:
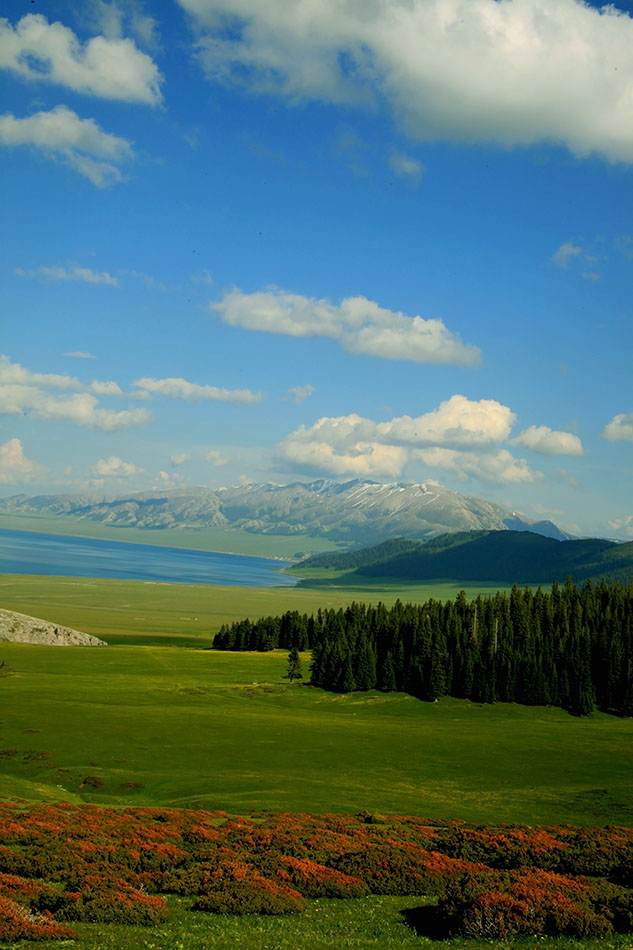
(294, 666)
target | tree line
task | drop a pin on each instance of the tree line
(568, 647)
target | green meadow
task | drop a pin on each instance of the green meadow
(157, 718)
(122, 611)
(193, 727)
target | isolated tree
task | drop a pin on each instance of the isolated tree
(294, 666)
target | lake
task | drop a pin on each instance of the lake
(28, 552)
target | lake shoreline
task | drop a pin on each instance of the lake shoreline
(58, 555)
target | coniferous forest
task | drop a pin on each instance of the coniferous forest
(568, 647)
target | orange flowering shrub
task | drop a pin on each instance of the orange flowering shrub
(18, 923)
(82, 862)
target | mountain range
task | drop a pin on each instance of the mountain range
(489, 556)
(354, 512)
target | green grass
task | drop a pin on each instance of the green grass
(363, 924)
(122, 611)
(195, 728)
(225, 540)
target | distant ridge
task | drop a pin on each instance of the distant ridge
(355, 512)
(503, 556)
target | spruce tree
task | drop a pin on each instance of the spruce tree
(294, 666)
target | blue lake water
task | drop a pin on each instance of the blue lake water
(27, 552)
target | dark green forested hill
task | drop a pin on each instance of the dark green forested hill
(503, 556)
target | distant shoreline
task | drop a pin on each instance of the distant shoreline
(59, 555)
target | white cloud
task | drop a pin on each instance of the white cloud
(496, 468)
(623, 525)
(180, 458)
(14, 373)
(457, 421)
(460, 436)
(115, 17)
(406, 167)
(81, 355)
(80, 408)
(80, 143)
(360, 325)
(115, 467)
(565, 253)
(57, 273)
(299, 393)
(14, 465)
(368, 459)
(106, 388)
(193, 392)
(515, 72)
(620, 428)
(216, 457)
(114, 68)
(547, 441)
(22, 391)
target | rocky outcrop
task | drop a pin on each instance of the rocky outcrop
(20, 628)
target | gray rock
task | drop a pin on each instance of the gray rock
(20, 628)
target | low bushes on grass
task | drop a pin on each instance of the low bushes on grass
(64, 863)
(19, 923)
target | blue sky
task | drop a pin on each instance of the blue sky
(267, 241)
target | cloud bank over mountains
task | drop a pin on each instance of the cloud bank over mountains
(460, 436)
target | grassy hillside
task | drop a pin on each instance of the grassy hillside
(158, 725)
(505, 556)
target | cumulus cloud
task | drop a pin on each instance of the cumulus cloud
(406, 167)
(360, 326)
(180, 458)
(113, 18)
(80, 408)
(306, 448)
(623, 525)
(115, 467)
(548, 441)
(11, 373)
(106, 388)
(80, 143)
(299, 393)
(23, 392)
(81, 355)
(556, 72)
(56, 273)
(461, 436)
(216, 457)
(620, 428)
(14, 465)
(496, 468)
(193, 392)
(566, 252)
(110, 68)
(457, 421)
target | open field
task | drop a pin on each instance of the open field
(367, 923)
(198, 728)
(223, 540)
(122, 611)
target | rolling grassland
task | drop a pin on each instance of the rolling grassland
(193, 728)
(145, 612)
(146, 723)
